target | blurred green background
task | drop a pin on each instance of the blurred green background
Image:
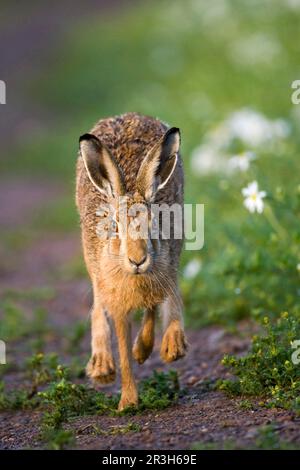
(222, 72)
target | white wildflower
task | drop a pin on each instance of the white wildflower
(249, 126)
(206, 159)
(298, 267)
(192, 268)
(241, 161)
(255, 129)
(254, 198)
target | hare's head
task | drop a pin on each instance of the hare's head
(126, 221)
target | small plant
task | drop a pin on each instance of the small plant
(17, 399)
(159, 391)
(42, 368)
(57, 439)
(245, 405)
(65, 400)
(3, 399)
(267, 370)
(267, 438)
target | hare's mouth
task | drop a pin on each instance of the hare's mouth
(138, 271)
(138, 267)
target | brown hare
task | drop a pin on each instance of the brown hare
(136, 159)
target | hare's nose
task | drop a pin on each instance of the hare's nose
(136, 262)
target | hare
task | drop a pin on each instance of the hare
(134, 158)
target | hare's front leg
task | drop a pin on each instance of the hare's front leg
(101, 366)
(143, 344)
(129, 395)
(174, 343)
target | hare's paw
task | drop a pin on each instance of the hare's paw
(142, 348)
(101, 368)
(174, 343)
(128, 401)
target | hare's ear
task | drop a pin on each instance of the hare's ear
(159, 164)
(101, 167)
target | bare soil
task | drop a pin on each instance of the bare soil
(201, 415)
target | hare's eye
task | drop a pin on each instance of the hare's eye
(114, 225)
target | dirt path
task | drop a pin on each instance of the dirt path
(201, 415)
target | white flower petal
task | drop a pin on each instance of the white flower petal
(259, 205)
(253, 197)
(245, 192)
(192, 268)
(249, 203)
(253, 187)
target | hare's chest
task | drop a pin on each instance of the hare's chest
(128, 294)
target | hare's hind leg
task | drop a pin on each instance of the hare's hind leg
(101, 366)
(143, 344)
(174, 343)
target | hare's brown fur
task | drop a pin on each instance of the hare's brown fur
(129, 138)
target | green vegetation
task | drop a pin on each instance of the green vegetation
(14, 323)
(16, 399)
(267, 371)
(41, 368)
(76, 335)
(57, 439)
(35, 294)
(266, 439)
(158, 391)
(67, 399)
(50, 388)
